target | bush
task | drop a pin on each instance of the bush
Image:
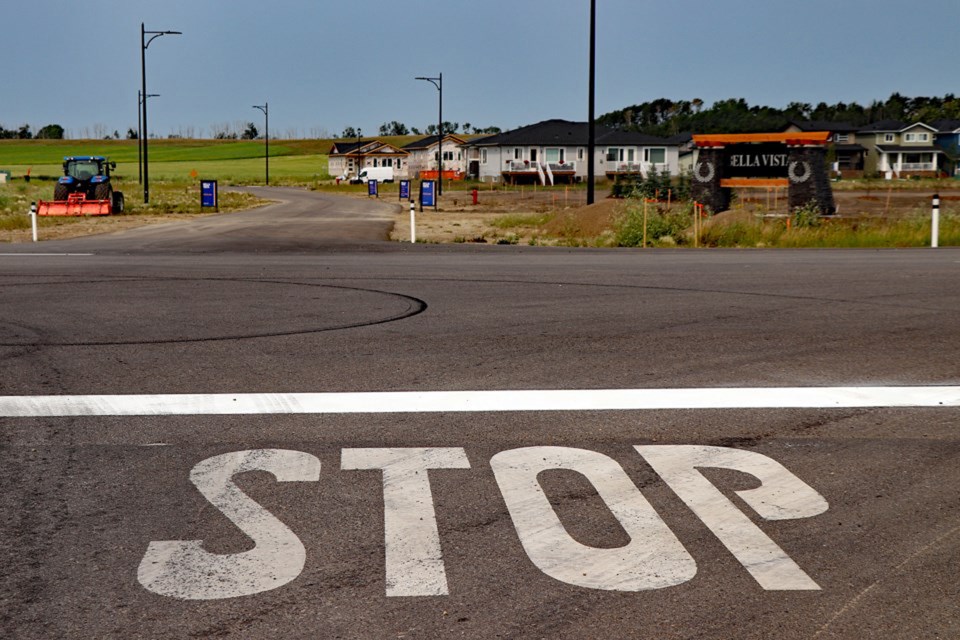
(661, 223)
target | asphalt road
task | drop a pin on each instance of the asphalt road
(196, 440)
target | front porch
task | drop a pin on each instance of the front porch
(906, 162)
(635, 169)
(526, 172)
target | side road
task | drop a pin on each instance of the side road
(297, 220)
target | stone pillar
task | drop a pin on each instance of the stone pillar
(809, 179)
(705, 186)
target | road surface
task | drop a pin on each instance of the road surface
(276, 424)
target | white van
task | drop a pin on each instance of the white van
(380, 174)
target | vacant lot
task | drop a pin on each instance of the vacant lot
(561, 217)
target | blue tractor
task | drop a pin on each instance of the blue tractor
(90, 176)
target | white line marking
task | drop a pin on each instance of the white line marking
(46, 254)
(480, 401)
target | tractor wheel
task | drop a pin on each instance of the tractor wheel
(103, 191)
(61, 191)
(117, 202)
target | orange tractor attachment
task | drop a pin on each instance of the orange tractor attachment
(76, 204)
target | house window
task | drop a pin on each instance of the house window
(614, 154)
(517, 153)
(448, 155)
(842, 138)
(580, 154)
(888, 137)
(552, 155)
(916, 137)
(630, 155)
(533, 155)
(655, 155)
(483, 156)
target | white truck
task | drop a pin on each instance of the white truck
(380, 174)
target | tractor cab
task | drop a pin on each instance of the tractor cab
(86, 168)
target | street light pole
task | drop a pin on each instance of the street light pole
(265, 107)
(438, 83)
(592, 127)
(140, 100)
(139, 137)
(144, 43)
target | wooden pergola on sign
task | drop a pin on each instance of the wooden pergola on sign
(795, 161)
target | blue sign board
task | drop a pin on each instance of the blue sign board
(404, 189)
(372, 188)
(428, 195)
(208, 194)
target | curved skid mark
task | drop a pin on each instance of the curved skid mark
(415, 307)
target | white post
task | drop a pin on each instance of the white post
(935, 223)
(33, 219)
(413, 222)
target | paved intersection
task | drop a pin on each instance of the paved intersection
(757, 513)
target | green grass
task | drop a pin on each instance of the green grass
(231, 161)
(521, 220)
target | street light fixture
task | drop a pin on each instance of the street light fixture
(265, 107)
(144, 43)
(140, 100)
(438, 83)
(592, 127)
(359, 155)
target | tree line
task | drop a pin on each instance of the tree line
(49, 132)
(665, 117)
(395, 128)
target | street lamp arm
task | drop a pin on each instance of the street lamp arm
(433, 81)
(157, 34)
(265, 108)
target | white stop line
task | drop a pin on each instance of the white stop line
(480, 401)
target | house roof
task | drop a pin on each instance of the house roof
(946, 126)
(365, 147)
(429, 141)
(891, 126)
(849, 148)
(902, 149)
(564, 132)
(824, 125)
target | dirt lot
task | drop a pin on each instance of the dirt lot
(524, 215)
(552, 217)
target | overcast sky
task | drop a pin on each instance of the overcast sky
(324, 65)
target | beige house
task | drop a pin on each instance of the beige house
(898, 150)
(348, 157)
(424, 155)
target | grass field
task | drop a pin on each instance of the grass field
(229, 161)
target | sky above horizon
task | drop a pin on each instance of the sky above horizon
(324, 66)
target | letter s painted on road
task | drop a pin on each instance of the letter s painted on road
(183, 569)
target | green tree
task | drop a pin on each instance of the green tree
(51, 132)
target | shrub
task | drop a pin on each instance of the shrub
(628, 227)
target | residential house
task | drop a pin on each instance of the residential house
(848, 157)
(948, 139)
(424, 156)
(555, 151)
(348, 157)
(899, 150)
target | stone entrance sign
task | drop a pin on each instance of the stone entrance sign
(795, 161)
